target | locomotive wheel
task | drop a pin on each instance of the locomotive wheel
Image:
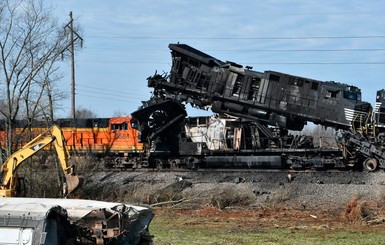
(370, 164)
(159, 163)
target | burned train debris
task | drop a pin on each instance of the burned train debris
(227, 142)
(159, 116)
(258, 109)
(72, 221)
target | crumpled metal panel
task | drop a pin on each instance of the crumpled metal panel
(94, 222)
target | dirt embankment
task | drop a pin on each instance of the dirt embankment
(250, 200)
(326, 190)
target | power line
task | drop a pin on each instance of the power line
(280, 13)
(109, 98)
(317, 63)
(326, 13)
(111, 90)
(123, 62)
(255, 50)
(241, 38)
(112, 94)
(301, 50)
(304, 50)
(136, 49)
(250, 63)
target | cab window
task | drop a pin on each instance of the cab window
(120, 126)
(134, 125)
(332, 94)
(350, 95)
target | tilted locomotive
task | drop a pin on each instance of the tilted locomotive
(271, 97)
(266, 105)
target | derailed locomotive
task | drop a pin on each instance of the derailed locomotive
(271, 97)
(265, 106)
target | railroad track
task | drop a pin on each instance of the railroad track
(230, 170)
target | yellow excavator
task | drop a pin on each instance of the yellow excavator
(9, 184)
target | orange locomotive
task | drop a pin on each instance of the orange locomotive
(115, 140)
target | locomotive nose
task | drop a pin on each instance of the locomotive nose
(361, 114)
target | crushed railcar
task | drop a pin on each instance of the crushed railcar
(36, 221)
(220, 141)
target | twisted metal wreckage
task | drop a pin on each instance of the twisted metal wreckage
(257, 110)
(31, 221)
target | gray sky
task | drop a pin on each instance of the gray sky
(127, 41)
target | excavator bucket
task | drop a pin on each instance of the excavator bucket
(73, 182)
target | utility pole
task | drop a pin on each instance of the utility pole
(74, 37)
(72, 68)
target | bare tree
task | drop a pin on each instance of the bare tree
(84, 113)
(119, 114)
(31, 45)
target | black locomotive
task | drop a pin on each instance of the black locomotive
(263, 106)
(275, 98)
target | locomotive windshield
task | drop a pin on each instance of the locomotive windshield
(135, 125)
(352, 95)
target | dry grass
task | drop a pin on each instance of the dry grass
(232, 196)
(211, 225)
(358, 211)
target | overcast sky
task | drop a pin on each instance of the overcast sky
(127, 41)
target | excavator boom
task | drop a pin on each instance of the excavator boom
(72, 181)
(53, 135)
